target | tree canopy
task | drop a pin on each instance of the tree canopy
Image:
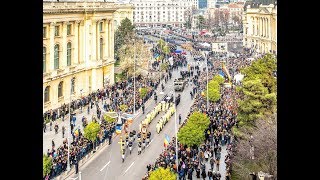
(219, 79)
(193, 132)
(123, 33)
(214, 90)
(126, 57)
(143, 92)
(109, 119)
(91, 131)
(47, 165)
(162, 174)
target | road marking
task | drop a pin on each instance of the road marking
(73, 178)
(129, 167)
(150, 142)
(105, 166)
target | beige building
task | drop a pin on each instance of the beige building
(78, 49)
(260, 28)
(123, 11)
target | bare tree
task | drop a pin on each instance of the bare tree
(263, 138)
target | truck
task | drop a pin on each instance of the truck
(179, 84)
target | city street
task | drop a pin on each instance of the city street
(107, 163)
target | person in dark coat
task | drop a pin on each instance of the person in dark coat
(203, 174)
(198, 173)
(76, 165)
(190, 174)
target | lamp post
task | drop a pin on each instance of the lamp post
(207, 82)
(134, 79)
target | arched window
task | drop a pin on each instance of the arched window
(73, 81)
(44, 58)
(101, 48)
(60, 89)
(47, 94)
(56, 56)
(69, 54)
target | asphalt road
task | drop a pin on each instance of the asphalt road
(107, 163)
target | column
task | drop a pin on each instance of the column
(106, 47)
(81, 40)
(51, 48)
(98, 40)
(63, 58)
(111, 40)
(94, 40)
(75, 44)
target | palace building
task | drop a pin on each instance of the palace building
(260, 26)
(78, 48)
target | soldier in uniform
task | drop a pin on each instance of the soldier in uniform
(130, 145)
(158, 127)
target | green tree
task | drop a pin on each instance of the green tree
(256, 102)
(109, 119)
(47, 165)
(123, 107)
(123, 33)
(91, 131)
(143, 92)
(214, 91)
(219, 79)
(191, 135)
(199, 119)
(164, 66)
(263, 69)
(201, 22)
(162, 174)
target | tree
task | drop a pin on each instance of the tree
(123, 107)
(126, 56)
(256, 102)
(263, 69)
(91, 131)
(219, 79)
(201, 22)
(47, 165)
(214, 91)
(265, 149)
(161, 173)
(164, 66)
(191, 135)
(109, 119)
(143, 92)
(199, 119)
(124, 33)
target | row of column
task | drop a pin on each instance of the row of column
(80, 42)
(263, 27)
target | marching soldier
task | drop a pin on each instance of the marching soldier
(158, 127)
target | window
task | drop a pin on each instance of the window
(56, 56)
(56, 31)
(69, 54)
(101, 48)
(44, 59)
(44, 32)
(47, 94)
(68, 29)
(60, 89)
(101, 26)
(73, 81)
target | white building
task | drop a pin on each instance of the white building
(211, 3)
(160, 12)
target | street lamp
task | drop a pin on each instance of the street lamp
(134, 78)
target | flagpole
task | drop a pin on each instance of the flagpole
(176, 129)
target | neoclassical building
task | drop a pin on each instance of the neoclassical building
(260, 27)
(78, 49)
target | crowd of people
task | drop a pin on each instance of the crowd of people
(222, 116)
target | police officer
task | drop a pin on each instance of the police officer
(142, 108)
(110, 137)
(127, 139)
(148, 137)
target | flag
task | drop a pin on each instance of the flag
(224, 68)
(221, 74)
(166, 140)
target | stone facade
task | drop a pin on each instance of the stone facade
(260, 28)
(78, 49)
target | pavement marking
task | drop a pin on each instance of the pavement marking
(73, 178)
(129, 167)
(105, 166)
(150, 142)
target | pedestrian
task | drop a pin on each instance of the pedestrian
(76, 165)
(50, 125)
(110, 137)
(203, 174)
(198, 173)
(142, 108)
(44, 127)
(179, 118)
(63, 131)
(52, 142)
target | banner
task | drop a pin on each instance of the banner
(166, 140)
